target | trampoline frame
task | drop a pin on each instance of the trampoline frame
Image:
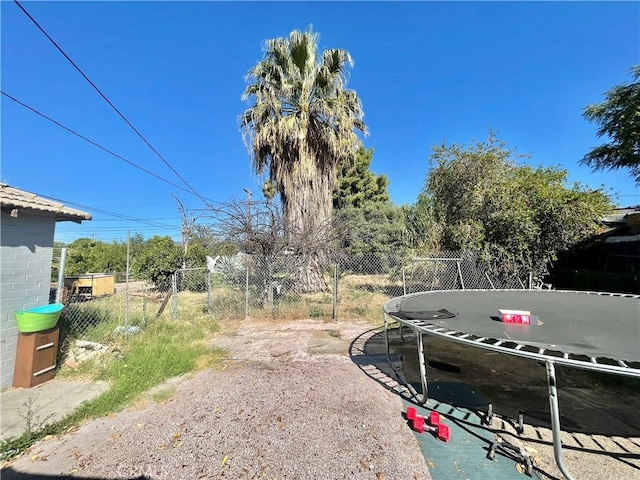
(510, 347)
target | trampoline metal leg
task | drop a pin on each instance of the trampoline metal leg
(386, 336)
(413, 392)
(555, 419)
(423, 369)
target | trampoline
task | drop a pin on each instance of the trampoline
(588, 330)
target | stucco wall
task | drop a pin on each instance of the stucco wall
(26, 253)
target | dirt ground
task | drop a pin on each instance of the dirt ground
(333, 373)
(599, 414)
(289, 403)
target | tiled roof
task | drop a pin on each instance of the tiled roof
(15, 198)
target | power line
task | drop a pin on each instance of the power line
(122, 220)
(11, 97)
(109, 102)
(114, 214)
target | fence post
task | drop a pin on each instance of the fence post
(460, 273)
(144, 309)
(246, 293)
(335, 292)
(404, 285)
(63, 261)
(209, 302)
(174, 290)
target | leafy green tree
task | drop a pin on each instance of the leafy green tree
(423, 232)
(301, 125)
(618, 119)
(80, 257)
(85, 255)
(520, 217)
(357, 184)
(373, 236)
(197, 254)
(158, 260)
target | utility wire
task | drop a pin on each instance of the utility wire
(109, 102)
(113, 214)
(91, 141)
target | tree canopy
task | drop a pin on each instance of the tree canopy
(157, 262)
(372, 236)
(479, 198)
(154, 259)
(358, 185)
(618, 119)
(90, 256)
(302, 124)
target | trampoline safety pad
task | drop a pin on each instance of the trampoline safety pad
(464, 457)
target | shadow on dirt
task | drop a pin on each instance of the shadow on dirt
(471, 378)
(466, 379)
(11, 474)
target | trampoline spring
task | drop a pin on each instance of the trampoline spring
(520, 426)
(622, 364)
(489, 415)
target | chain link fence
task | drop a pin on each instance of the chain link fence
(271, 287)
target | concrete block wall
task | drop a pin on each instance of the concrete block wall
(26, 255)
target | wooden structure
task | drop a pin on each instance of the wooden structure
(90, 285)
(36, 357)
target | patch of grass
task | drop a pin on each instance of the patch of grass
(316, 311)
(163, 350)
(334, 333)
(227, 304)
(163, 395)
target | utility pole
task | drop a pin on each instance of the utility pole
(248, 192)
(188, 224)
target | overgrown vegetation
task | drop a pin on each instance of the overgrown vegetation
(162, 350)
(479, 198)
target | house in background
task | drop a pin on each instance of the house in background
(27, 227)
(608, 262)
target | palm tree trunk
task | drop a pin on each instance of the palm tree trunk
(307, 212)
(308, 275)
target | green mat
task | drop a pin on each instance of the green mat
(464, 456)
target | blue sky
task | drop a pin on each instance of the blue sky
(425, 72)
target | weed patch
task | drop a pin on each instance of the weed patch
(163, 350)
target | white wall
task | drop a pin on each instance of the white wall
(26, 254)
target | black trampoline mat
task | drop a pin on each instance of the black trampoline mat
(573, 322)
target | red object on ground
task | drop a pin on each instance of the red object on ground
(411, 413)
(418, 424)
(434, 418)
(443, 433)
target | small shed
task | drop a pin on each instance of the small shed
(27, 228)
(90, 285)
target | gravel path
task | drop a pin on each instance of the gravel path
(293, 415)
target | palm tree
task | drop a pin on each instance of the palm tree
(302, 124)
